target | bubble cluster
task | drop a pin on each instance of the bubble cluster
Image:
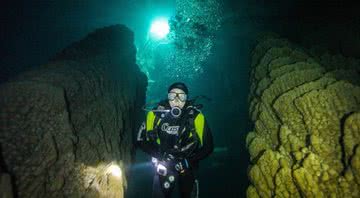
(187, 46)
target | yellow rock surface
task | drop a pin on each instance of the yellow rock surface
(306, 111)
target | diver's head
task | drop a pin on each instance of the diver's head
(177, 95)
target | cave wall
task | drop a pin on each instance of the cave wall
(305, 106)
(67, 124)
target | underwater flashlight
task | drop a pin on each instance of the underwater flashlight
(154, 160)
(160, 28)
(161, 169)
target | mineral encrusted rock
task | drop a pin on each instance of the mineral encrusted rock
(306, 114)
(66, 124)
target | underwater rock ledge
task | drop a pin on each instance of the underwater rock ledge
(66, 127)
(306, 112)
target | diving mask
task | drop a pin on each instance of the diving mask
(172, 95)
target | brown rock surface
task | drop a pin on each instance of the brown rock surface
(306, 109)
(67, 124)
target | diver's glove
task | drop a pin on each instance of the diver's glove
(168, 157)
(182, 165)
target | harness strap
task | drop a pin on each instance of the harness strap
(157, 121)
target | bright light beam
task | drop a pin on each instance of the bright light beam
(115, 170)
(159, 28)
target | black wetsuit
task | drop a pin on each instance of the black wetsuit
(179, 137)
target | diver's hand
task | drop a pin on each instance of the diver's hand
(182, 165)
(168, 157)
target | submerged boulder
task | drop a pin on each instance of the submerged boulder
(306, 113)
(66, 127)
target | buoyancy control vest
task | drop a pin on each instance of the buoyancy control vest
(178, 136)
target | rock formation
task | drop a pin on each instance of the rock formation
(66, 127)
(306, 112)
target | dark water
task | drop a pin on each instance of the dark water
(33, 31)
(219, 176)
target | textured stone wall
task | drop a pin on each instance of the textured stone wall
(305, 107)
(66, 126)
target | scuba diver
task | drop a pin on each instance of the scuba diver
(176, 136)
